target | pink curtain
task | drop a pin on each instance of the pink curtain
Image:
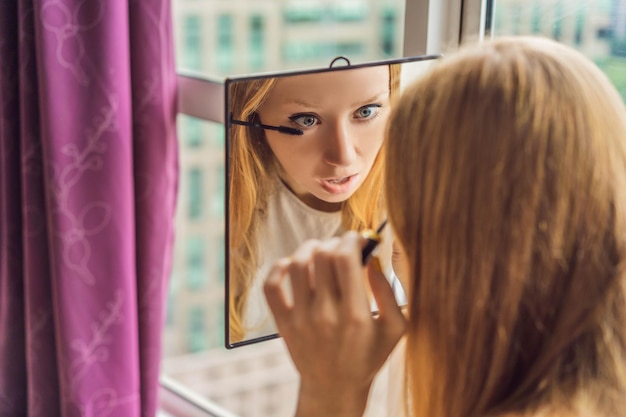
(88, 176)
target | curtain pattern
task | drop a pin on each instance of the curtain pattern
(88, 177)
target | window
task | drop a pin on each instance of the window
(257, 52)
(196, 271)
(354, 11)
(195, 193)
(597, 29)
(192, 131)
(197, 333)
(225, 42)
(302, 51)
(193, 42)
(303, 12)
(220, 260)
(219, 191)
(579, 28)
(536, 19)
(618, 26)
(224, 38)
(221, 38)
(388, 31)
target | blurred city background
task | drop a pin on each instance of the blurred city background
(220, 38)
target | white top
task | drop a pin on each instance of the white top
(289, 223)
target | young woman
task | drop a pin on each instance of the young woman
(505, 184)
(285, 189)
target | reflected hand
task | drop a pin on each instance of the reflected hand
(334, 341)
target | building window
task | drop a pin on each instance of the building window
(196, 271)
(302, 12)
(198, 340)
(517, 19)
(354, 11)
(579, 28)
(171, 297)
(536, 19)
(618, 29)
(225, 43)
(195, 193)
(221, 259)
(192, 57)
(302, 51)
(218, 193)
(192, 131)
(557, 29)
(218, 336)
(388, 29)
(350, 49)
(257, 42)
(216, 136)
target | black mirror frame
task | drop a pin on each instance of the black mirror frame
(228, 124)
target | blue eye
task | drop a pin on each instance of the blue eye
(367, 112)
(304, 120)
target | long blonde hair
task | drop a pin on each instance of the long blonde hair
(507, 190)
(253, 170)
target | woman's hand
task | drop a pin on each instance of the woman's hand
(335, 342)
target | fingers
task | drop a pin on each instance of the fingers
(273, 288)
(327, 277)
(388, 308)
(300, 273)
(329, 328)
(326, 289)
(347, 267)
(314, 289)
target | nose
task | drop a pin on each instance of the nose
(340, 149)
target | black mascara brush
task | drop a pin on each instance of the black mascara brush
(373, 240)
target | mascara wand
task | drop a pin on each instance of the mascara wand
(373, 240)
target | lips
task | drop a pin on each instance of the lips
(339, 185)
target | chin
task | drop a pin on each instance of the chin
(341, 198)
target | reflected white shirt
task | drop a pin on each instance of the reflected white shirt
(288, 223)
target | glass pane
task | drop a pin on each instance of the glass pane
(195, 313)
(596, 28)
(222, 38)
(225, 38)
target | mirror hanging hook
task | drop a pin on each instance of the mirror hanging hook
(339, 58)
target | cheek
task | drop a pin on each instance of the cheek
(370, 146)
(372, 138)
(291, 156)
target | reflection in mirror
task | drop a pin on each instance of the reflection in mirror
(304, 162)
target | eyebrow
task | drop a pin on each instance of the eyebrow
(359, 103)
(374, 98)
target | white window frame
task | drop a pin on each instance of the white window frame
(476, 20)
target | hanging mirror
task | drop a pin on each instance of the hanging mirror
(303, 162)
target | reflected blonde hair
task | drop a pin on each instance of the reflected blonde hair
(253, 171)
(507, 190)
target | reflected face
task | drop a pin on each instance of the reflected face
(343, 116)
